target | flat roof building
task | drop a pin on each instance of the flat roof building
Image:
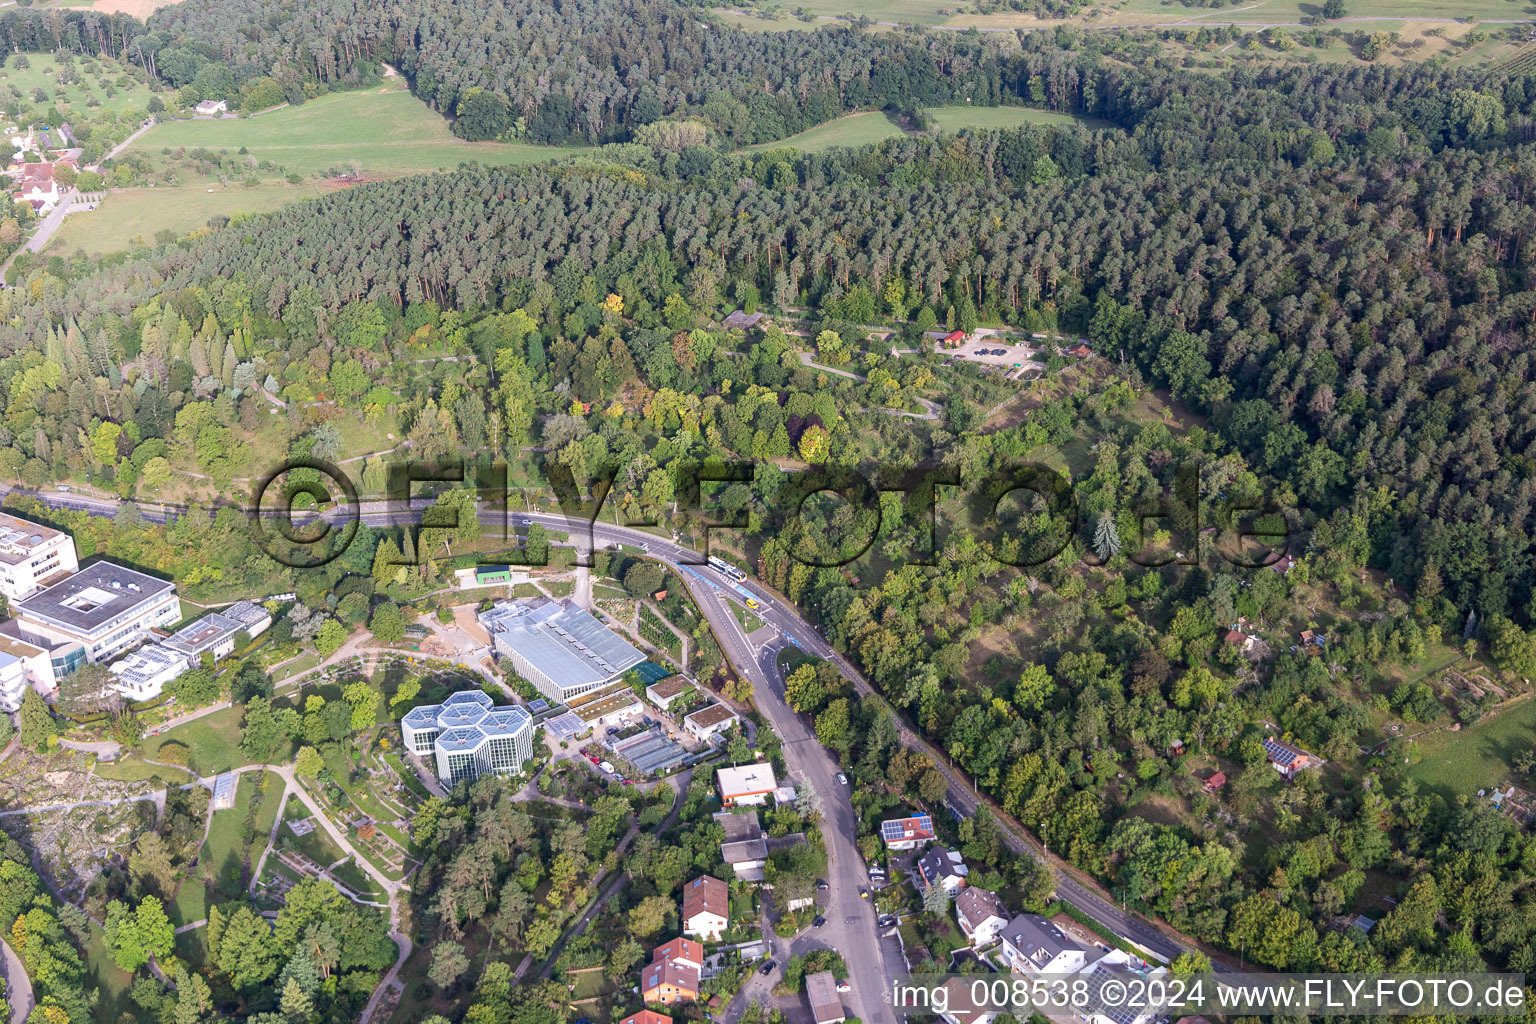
(144, 673)
(22, 664)
(216, 631)
(97, 613)
(745, 784)
(468, 736)
(558, 647)
(30, 555)
(712, 721)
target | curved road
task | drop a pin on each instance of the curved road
(808, 760)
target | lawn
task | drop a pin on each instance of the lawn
(225, 852)
(386, 131)
(131, 769)
(1477, 757)
(952, 119)
(849, 130)
(213, 741)
(191, 903)
(131, 217)
(104, 977)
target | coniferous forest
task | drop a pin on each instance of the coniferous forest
(1322, 274)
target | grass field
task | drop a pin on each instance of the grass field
(223, 854)
(1477, 757)
(952, 119)
(131, 769)
(873, 126)
(386, 131)
(213, 741)
(42, 72)
(131, 217)
(849, 130)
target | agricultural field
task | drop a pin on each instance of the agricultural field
(131, 218)
(140, 9)
(381, 133)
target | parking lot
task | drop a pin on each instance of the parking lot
(1013, 359)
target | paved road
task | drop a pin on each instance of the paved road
(781, 615)
(18, 987)
(850, 927)
(127, 142)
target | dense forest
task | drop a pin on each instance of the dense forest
(1328, 270)
(610, 70)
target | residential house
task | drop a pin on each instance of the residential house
(942, 867)
(706, 908)
(708, 723)
(744, 848)
(747, 784)
(667, 982)
(958, 1004)
(209, 107)
(1078, 351)
(981, 914)
(1215, 782)
(647, 1017)
(907, 833)
(35, 185)
(949, 339)
(821, 993)
(747, 858)
(1109, 978)
(1237, 638)
(1035, 945)
(1288, 760)
(681, 950)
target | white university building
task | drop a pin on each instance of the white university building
(30, 554)
(95, 615)
(144, 674)
(469, 737)
(558, 647)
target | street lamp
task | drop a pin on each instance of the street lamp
(1044, 842)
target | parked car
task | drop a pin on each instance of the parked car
(821, 885)
(887, 920)
(818, 922)
(842, 779)
(863, 892)
(842, 986)
(767, 967)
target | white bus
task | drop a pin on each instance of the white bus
(725, 568)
